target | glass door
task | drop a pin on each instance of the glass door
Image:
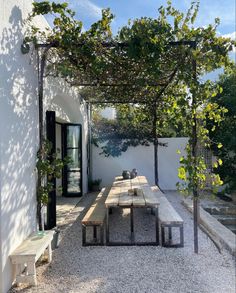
(72, 175)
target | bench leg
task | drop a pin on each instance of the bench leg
(102, 235)
(107, 227)
(19, 268)
(83, 235)
(157, 226)
(31, 270)
(181, 236)
(49, 252)
(169, 234)
(95, 233)
(169, 243)
(132, 225)
(163, 235)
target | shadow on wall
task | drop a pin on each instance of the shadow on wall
(18, 138)
(142, 158)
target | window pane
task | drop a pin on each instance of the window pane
(74, 156)
(73, 182)
(73, 135)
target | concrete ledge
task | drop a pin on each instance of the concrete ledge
(223, 237)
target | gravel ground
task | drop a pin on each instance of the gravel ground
(137, 268)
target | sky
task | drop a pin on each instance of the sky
(89, 11)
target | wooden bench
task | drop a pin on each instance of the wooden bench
(168, 218)
(95, 217)
(26, 255)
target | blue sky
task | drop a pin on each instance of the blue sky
(90, 10)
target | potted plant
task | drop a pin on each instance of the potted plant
(94, 185)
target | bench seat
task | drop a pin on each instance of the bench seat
(26, 255)
(168, 218)
(95, 217)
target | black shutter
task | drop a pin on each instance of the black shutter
(51, 136)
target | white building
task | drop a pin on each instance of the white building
(19, 133)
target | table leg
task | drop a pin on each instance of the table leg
(132, 224)
(107, 227)
(157, 226)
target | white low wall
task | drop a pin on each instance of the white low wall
(142, 158)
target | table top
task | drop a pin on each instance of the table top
(119, 194)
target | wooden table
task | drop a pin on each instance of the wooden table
(119, 197)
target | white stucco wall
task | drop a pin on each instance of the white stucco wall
(19, 131)
(142, 158)
(18, 135)
(109, 113)
(0, 222)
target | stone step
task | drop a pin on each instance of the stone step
(226, 219)
(232, 228)
(221, 209)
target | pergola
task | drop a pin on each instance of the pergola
(142, 65)
(136, 88)
(117, 79)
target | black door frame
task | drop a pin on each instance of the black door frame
(51, 221)
(64, 154)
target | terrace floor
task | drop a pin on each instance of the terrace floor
(137, 268)
(64, 206)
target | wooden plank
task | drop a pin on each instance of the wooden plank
(150, 198)
(135, 183)
(157, 192)
(118, 178)
(121, 183)
(101, 193)
(155, 188)
(138, 200)
(33, 246)
(113, 197)
(96, 214)
(125, 199)
(142, 180)
(167, 214)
